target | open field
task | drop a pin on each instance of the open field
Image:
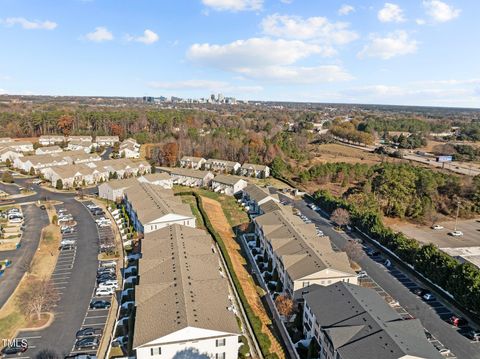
(441, 238)
(219, 222)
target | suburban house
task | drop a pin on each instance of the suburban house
(189, 177)
(80, 138)
(123, 167)
(73, 175)
(228, 184)
(106, 140)
(129, 149)
(48, 150)
(81, 156)
(192, 162)
(299, 256)
(48, 140)
(38, 162)
(222, 166)
(152, 207)
(113, 190)
(19, 146)
(270, 206)
(254, 196)
(183, 306)
(350, 322)
(257, 171)
(158, 179)
(5, 140)
(77, 145)
(8, 153)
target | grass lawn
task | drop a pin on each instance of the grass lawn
(191, 201)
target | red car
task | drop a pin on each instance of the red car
(457, 321)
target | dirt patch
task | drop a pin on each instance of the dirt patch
(221, 225)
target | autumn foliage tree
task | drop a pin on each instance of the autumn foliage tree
(169, 154)
(284, 305)
(65, 124)
(341, 217)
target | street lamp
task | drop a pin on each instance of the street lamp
(456, 217)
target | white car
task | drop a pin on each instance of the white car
(67, 241)
(444, 351)
(109, 286)
(456, 233)
(102, 291)
(108, 264)
(437, 227)
(362, 274)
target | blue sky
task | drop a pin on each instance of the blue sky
(415, 52)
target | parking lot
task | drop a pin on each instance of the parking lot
(470, 229)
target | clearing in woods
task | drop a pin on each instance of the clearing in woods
(220, 223)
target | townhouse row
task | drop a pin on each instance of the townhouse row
(223, 166)
(182, 297)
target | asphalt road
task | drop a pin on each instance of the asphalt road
(74, 276)
(429, 314)
(106, 154)
(35, 220)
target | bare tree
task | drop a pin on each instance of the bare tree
(39, 297)
(341, 217)
(354, 251)
(284, 305)
(47, 354)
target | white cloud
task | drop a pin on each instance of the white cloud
(100, 34)
(254, 52)
(440, 11)
(29, 25)
(394, 44)
(420, 21)
(286, 1)
(391, 13)
(149, 37)
(313, 28)
(268, 59)
(3, 92)
(234, 5)
(346, 9)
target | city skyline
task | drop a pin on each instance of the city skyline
(380, 52)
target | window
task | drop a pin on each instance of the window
(220, 356)
(306, 284)
(220, 342)
(155, 352)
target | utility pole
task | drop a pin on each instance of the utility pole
(456, 217)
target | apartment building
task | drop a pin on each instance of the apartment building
(106, 140)
(222, 166)
(228, 185)
(252, 170)
(80, 156)
(182, 298)
(123, 167)
(77, 145)
(113, 190)
(73, 175)
(298, 254)
(5, 140)
(129, 149)
(19, 146)
(195, 163)
(7, 153)
(85, 138)
(38, 162)
(189, 177)
(47, 150)
(350, 322)
(48, 140)
(254, 196)
(151, 207)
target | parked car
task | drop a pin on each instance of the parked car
(104, 292)
(444, 351)
(15, 349)
(105, 278)
(120, 341)
(87, 343)
(457, 321)
(67, 241)
(108, 264)
(437, 227)
(108, 284)
(89, 332)
(67, 247)
(456, 233)
(475, 336)
(362, 274)
(428, 297)
(100, 304)
(81, 356)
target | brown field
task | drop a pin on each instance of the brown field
(220, 223)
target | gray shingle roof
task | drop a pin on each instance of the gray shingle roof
(180, 285)
(360, 324)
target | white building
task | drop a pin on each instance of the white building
(85, 138)
(38, 162)
(48, 150)
(152, 207)
(254, 197)
(48, 140)
(80, 145)
(158, 179)
(195, 163)
(222, 166)
(228, 185)
(299, 255)
(19, 146)
(182, 301)
(106, 140)
(9, 153)
(257, 171)
(189, 177)
(129, 149)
